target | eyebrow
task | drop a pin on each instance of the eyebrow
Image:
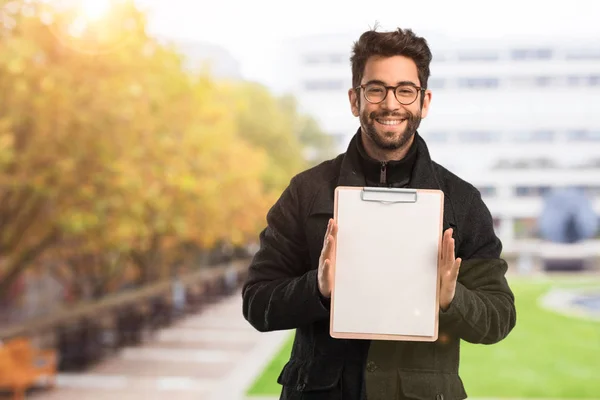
(385, 84)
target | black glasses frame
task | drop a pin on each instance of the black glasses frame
(388, 88)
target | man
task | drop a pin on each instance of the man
(290, 277)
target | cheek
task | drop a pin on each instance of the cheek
(413, 109)
(366, 110)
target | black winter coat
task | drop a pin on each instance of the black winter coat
(281, 292)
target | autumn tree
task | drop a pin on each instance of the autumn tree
(113, 154)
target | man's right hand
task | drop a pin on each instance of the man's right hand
(327, 261)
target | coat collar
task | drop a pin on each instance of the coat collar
(423, 176)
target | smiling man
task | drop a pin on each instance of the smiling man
(389, 123)
(291, 276)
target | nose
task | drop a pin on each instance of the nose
(390, 103)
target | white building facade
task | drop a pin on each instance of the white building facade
(516, 118)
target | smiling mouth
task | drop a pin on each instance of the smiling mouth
(390, 122)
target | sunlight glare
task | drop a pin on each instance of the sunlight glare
(95, 9)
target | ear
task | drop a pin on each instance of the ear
(353, 97)
(426, 103)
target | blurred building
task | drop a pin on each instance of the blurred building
(516, 118)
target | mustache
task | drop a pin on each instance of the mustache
(374, 115)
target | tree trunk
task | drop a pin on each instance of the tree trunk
(24, 260)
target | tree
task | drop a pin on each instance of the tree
(264, 123)
(112, 154)
(317, 145)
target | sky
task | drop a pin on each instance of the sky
(252, 31)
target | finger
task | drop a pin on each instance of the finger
(456, 268)
(445, 245)
(451, 254)
(443, 250)
(334, 228)
(328, 271)
(328, 267)
(324, 250)
(448, 243)
(450, 248)
(327, 231)
(329, 246)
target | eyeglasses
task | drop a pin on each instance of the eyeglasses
(375, 93)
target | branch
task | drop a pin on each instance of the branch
(25, 259)
(30, 213)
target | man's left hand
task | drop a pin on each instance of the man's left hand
(449, 267)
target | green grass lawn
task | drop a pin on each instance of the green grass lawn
(547, 355)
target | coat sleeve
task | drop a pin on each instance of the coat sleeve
(281, 290)
(483, 309)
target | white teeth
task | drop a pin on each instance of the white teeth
(393, 122)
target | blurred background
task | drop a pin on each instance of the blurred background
(143, 141)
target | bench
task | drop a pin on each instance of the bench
(22, 366)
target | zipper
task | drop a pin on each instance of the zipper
(383, 173)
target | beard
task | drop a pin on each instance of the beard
(389, 139)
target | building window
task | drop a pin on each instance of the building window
(531, 191)
(324, 85)
(479, 83)
(478, 56)
(593, 163)
(436, 83)
(536, 81)
(582, 135)
(574, 80)
(583, 54)
(487, 191)
(535, 136)
(479, 136)
(593, 80)
(437, 137)
(531, 54)
(312, 59)
(590, 80)
(543, 80)
(337, 58)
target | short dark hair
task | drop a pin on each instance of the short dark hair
(388, 44)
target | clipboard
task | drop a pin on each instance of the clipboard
(386, 268)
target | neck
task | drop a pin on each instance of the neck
(380, 154)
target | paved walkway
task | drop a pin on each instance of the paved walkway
(214, 355)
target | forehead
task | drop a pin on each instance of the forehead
(391, 70)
